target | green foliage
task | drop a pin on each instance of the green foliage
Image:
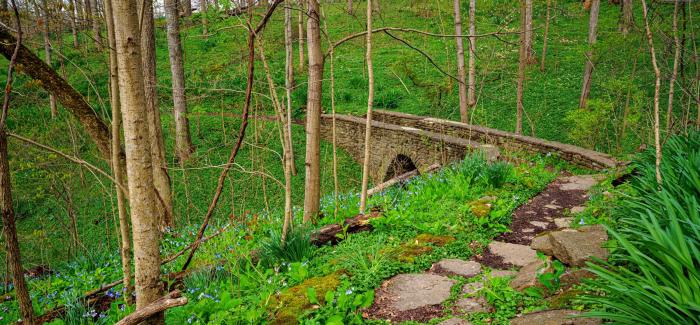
(296, 248)
(653, 275)
(507, 301)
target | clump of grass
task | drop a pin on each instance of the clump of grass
(653, 276)
(296, 248)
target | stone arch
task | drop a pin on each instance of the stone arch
(400, 165)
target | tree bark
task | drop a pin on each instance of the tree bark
(461, 70)
(138, 158)
(183, 140)
(10, 234)
(588, 68)
(471, 91)
(289, 77)
(47, 53)
(65, 94)
(522, 63)
(627, 19)
(73, 23)
(350, 9)
(301, 35)
(94, 18)
(203, 13)
(657, 90)
(370, 99)
(186, 8)
(545, 36)
(160, 164)
(312, 188)
(115, 103)
(674, 73)
(173, 299)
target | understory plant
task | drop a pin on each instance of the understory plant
(653, 275)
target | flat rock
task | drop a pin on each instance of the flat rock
(466, 269)
(455, 321)
(554, 317)
(411, 291)
(527, 230)
(518, 255)
(563, 222)
(539, 224)
(577, 209)
(576, 247)
(472, 305)
(472, 288)
(527, 276)
(542, 244)
(579, 182)
(501, 273)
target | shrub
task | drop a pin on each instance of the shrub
(654, 274)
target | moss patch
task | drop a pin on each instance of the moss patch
(480, 208)
(438, 241)
(292, 302)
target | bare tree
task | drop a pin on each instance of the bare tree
(183, 140)
(588, 69)
(138, 158)
(312, 188)
(471, 91)
(93, 17)
(301, 35)
(73, 23)
(203, 8)
(115, 103)
(47, 52)
(14, 259)
(461, 70)
(527, 30)
(674, 73)
(160, 164)
(350, 9)
(627, 19)
(657, 90)
(522, 63)
(370, 100)
(545, 36)
(289, 76)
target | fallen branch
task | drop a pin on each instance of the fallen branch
(171, 300)
(401, 178)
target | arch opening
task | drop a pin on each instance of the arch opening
(400, 165)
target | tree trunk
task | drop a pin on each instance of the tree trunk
(674, 74)
(93, 17)
(627, 19)
(73, 23)
(183, 141)
(588, 69)
(124, 228)
(289, 77)
(522, 63)
(160, 164)
(461, 70)
(186, 9)
(545, 36)
(350, 9)
(528, 32)
(144, 219)
(47, 52)
(203, 13)
(65, 94)
(471, 91)
(370, 98)
(657, 90)
(312, 188)
(301, 35)
(10, 233)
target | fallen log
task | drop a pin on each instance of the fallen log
(171, 300)
(400, 179)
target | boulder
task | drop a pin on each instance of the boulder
(411, 291)
(542, 244)
(518, 255)
(574, 277)
(575, 247)
(466, 269)
(554, 317)
(527, 276)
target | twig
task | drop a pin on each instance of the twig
(430, 59)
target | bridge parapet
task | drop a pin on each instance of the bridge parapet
(396, 148)
(505, 140)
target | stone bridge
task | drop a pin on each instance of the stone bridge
(403, 142)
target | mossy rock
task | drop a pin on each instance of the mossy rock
(436, 240)
(480, 208)
(407, 252)
(564, 299)
(292, 302)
